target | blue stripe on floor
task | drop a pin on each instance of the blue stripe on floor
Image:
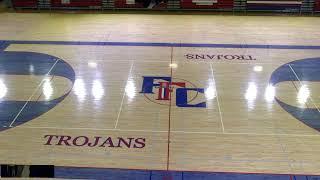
(85, 43)
(115, 174)
(3, 45)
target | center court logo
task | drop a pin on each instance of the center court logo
(165, 90)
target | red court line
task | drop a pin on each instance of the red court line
(169, 124)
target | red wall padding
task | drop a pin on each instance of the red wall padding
(123, 4)
(317, 6)
(76, 3)
(24, 3)
(222, 4)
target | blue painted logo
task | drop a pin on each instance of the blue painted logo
(305, 70)
(13, 112)
(159, 89)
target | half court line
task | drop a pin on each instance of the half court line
(170, 105)
(34, 92)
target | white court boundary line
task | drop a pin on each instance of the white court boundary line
(301, 84)
(222, 125)
(182, 132)
(124, 94)
(34, 92)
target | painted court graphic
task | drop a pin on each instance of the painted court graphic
(24, 64)
(155, 88)
(300, 71)
(221, 108)
(165, 89)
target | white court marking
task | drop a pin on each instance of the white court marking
(182, 132)
(34, 92)
(124, 94)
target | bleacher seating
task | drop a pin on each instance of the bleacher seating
(317, 6)
(76, 3)
(271, 5)
(206, 4)
(255, 5)
(161, 5)
(25, 3)
(127, 4)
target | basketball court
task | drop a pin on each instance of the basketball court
(161, 92)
